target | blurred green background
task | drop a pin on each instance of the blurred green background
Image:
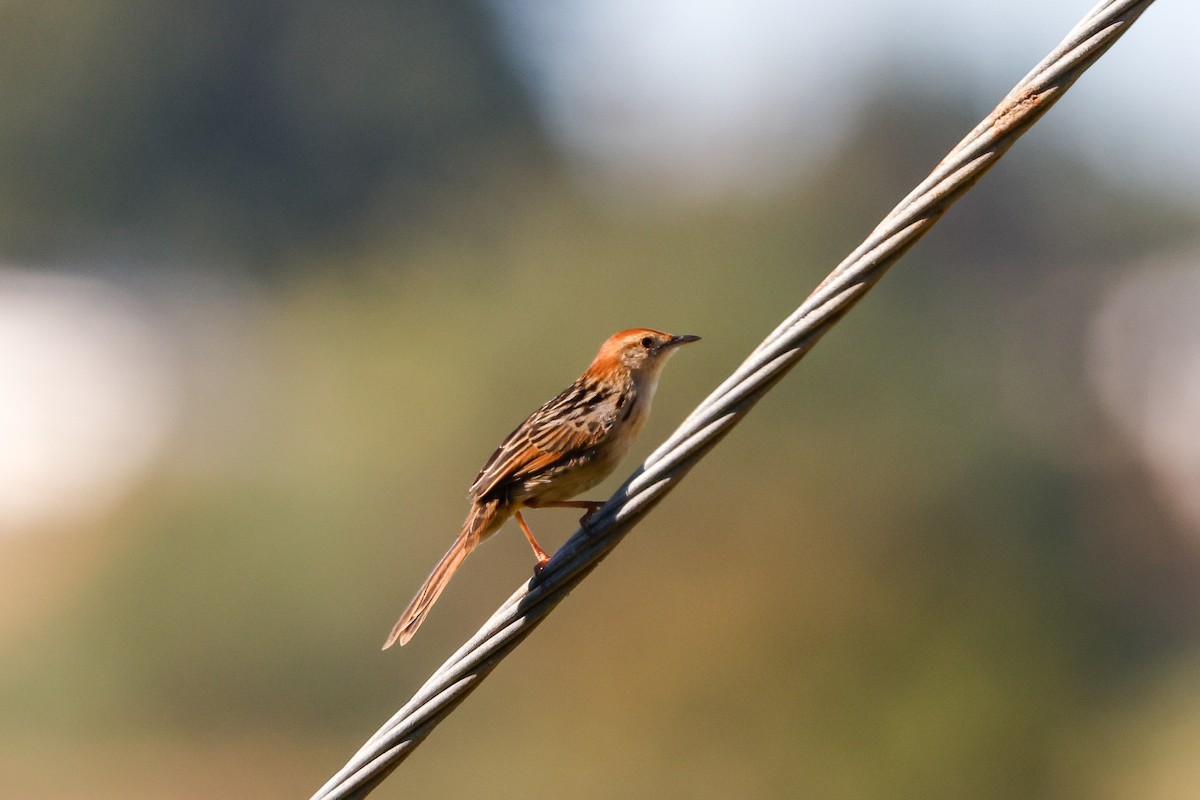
(276, 277)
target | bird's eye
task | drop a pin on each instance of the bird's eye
(647, 343)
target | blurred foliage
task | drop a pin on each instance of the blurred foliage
(908, 574)
(242, 132)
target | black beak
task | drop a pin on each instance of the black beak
(675, 341)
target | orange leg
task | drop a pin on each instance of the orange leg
(592, 507)
(537, 549)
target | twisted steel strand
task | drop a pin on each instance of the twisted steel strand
(734, 397)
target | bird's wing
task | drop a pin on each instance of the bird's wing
(578, 419)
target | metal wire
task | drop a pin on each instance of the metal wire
(716, 415)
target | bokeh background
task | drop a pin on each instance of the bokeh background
(275, 277)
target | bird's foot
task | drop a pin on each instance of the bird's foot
(586, 520)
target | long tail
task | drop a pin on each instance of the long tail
(481, 523)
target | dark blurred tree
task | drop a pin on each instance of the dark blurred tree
(1048, 207)
(237, 131)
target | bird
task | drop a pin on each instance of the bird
(564, 448)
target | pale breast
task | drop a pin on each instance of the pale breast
(615, 421)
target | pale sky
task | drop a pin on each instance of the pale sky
(713, 92)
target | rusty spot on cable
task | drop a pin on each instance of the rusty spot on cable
(1017, 111)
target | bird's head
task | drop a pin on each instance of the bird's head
(639, 351)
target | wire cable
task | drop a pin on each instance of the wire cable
(734, 398)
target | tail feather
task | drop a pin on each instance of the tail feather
(482, 522)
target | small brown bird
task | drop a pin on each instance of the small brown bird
(565, 447)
